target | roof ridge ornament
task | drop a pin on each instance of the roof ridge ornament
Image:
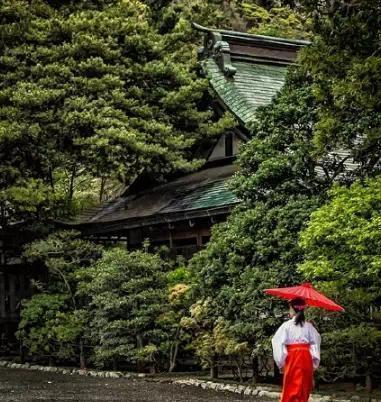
(221, 53)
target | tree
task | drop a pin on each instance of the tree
(276, 18)
(213, 340)
(53, 320)
(279, 20)
(91, 89)
(256, 249)
(179, 304)
(342, 245)
(50, 327)
(353, 352)
(343, 66)
(128, 298)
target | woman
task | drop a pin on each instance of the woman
(296, 348)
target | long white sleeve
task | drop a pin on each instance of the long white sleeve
(279, 346)
(315, 341)
(288, 334)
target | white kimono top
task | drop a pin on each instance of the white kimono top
(289, 333)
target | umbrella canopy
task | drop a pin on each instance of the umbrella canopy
(308, 293)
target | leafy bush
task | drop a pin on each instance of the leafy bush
(128, 299)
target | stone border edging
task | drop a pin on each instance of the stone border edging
(238, 389)
(68, 371)
(261, 392)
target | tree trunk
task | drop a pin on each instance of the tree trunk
(368, 383)
(255, 367)
(82, 357)
(173, 356)
(240, 364)
(139, 344)
(102, 189)
(22, 353)
(213, 369)
(51, 179)
(240, 376)
(71, 186)
(114, 364)
(315, 384)
(50, 361)
(50, 356)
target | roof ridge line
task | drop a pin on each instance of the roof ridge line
(261, 38)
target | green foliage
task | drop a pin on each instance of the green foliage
(256, 249)
(37, 328)
(276, 18)
(351, 352)
(180, 275)
(25, 198)
(64, 254)
(277, 161)
(90, 91)
(213, 340)
(53, 320)
(342, 245)
(179, 303)
(175, 16)
(126, 305)
(343, 237)
(282, 22)
(343, 65)
(128, 299)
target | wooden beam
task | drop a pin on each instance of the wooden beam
(2, 295)
(12, 294)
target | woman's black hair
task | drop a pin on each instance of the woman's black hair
(298, 305)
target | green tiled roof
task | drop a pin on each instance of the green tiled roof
(205, 191)
(253, 85)
(212, 195)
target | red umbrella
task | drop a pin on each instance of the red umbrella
(308, 293)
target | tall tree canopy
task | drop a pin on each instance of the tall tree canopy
(274, 17)
(91, 88)
(343, 64)
(342, 246)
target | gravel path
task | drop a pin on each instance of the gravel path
(24, 385)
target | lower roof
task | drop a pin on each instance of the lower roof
(203, 193)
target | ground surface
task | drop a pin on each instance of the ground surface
(25, 385)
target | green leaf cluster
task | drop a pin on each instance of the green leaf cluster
(53, 321)
(342, 250)
(108, 307)
(128, 299)
(92, 91)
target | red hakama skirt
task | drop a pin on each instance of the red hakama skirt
(298, 374)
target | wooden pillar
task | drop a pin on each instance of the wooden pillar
(2, 295)
(170, 239)
(199, 239)
(22, 291)
(2, 253)
(12, 294)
